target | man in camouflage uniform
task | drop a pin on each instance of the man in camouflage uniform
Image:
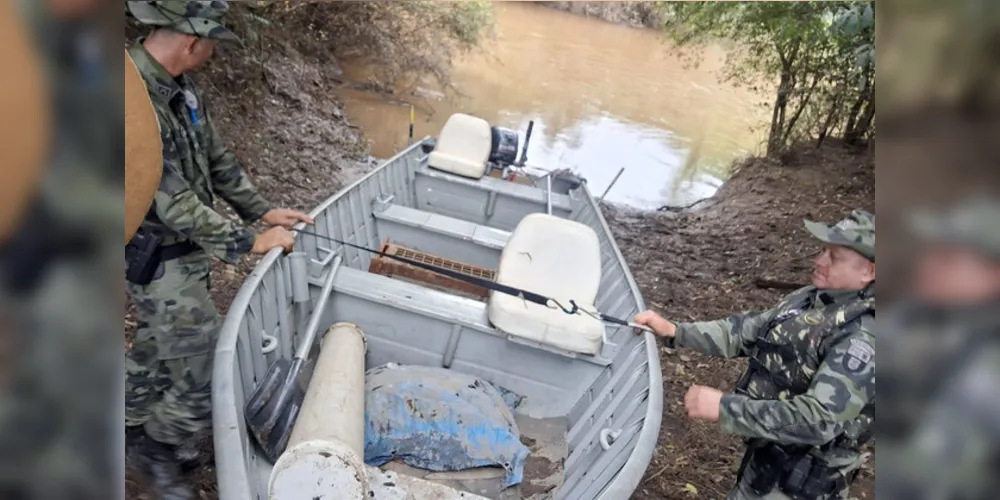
(168, 381)
(806, 403)
(941, 438)
(60, 274)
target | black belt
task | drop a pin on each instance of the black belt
(177, 250)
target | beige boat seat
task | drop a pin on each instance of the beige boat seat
(557, 258)
(463, 147)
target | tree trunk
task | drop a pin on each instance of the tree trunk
(855, 120)
(852, 117)
(802, 107)
(780, 101)
(774, 139)
(834, 115)
(865, 123)
(788, 56)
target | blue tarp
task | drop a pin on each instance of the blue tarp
(439, 420)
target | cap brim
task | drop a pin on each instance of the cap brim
(227, 36)
(819, 230)
(212, 30)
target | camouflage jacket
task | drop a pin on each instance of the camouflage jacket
(943, 437)
(59, 314)
(197, 166)
(811, 381)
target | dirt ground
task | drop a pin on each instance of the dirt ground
(282, 119)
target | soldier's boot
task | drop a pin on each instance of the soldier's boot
(158, 465)
(189, 457)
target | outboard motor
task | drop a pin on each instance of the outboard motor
(504, 146)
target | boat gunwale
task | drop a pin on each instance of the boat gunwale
(232, 474)
(623, 486)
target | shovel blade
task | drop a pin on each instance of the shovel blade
(272, 409)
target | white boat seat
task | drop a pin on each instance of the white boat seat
(557, 258)
(463, 147)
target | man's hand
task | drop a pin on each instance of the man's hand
(273, 238)
(703, 403)
(662, 327)
(285, 218)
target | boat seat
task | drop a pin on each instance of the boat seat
(463, 147)
(557, 258)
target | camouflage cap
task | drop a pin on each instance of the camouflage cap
(974, 224)
(856, 232)
(200, 18)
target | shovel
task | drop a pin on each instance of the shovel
(272, 409)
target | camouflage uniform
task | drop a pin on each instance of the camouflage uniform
(60, 275)
(806, 401)
(942, 438)
(169, 368)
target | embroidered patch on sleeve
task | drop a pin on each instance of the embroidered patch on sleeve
(858, 356)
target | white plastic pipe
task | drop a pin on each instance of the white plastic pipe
(325, 454)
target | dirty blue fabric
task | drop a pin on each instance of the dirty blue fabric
(440, 420)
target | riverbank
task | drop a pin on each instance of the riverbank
(631, 13)
(280, 114)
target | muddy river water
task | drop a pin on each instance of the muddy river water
(602, 96)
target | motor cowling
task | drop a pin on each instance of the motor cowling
(504, 146)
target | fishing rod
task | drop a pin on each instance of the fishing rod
(529, 296)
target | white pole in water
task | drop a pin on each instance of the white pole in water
(608, 190)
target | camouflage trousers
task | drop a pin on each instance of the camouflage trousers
(168, 371)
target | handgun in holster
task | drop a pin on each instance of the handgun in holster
(771, 467)
(794, 472)
(142, 257)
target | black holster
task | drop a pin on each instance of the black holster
(793, 471)
(142, 257)
(145, 252)
(770, 466)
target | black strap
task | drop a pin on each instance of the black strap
(177, 250)
(35, 246)
(752, 446)
(489, 285)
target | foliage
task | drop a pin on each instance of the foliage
(822, 55)
(633, 13)
(404, 39)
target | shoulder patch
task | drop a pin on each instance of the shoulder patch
(859, 355)
(813, 317)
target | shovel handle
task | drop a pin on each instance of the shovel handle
(317, 314)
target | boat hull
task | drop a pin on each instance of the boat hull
(610, 402)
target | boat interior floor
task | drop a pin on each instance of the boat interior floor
(543, 470)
